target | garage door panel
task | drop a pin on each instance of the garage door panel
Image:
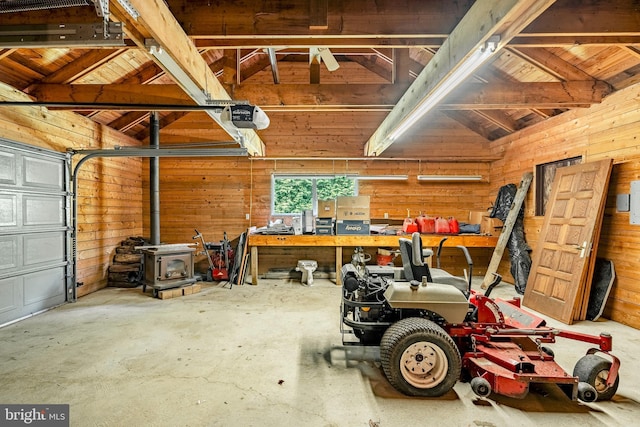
(42, 289)
(8, 210)
(43, 210)
(34, 230)
(43, 173)
(10, 297)
(9, 253)
(8, 168)
(43, 248)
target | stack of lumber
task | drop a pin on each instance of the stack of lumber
(126, 270)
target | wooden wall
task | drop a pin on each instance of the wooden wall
(608, 130)
(214, 195)
(110, 192)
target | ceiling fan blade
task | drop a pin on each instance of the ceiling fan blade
(328, 58)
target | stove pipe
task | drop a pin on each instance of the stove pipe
(154, 179)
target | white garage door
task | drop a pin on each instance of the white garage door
(34, 230)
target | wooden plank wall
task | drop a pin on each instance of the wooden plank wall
(110, 192)
(214, 195)
(606, 130)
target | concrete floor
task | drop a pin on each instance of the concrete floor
(267, 355)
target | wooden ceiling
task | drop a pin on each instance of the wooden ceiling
(568, 54)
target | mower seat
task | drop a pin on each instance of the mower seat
(415, 268)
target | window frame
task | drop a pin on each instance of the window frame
(545, 173)
(314, 191)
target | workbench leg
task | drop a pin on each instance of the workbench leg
(338, 265)
(254, 265)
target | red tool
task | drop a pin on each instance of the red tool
(223, 253)
(205, 252)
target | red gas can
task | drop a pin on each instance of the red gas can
(442, 226)
(454, 227)
(409, 226)
(426, 224)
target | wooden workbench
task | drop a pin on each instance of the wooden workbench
(339, 242)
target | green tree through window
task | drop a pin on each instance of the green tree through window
(293, 194)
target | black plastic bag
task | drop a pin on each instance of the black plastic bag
(517, 245)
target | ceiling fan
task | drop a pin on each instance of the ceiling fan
(325, 55)
(316, 55)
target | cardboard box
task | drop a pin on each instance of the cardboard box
(327, 208)
(353, 202)
(359, 214)
(490, 226)
(353, 208)
(359, 227)
(475, 217)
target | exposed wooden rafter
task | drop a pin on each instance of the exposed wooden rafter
(570, 56)
(550, 63)
(299, 97)
(157, 22)
(483, 20)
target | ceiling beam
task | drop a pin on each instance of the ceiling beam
(80, 67)
(498, 118)
(483, 20)
(302, 97)
(129, 120)
(231, 67)
(401, 66)
(395, 22)
(346, 41)
(6, 52)
(550, 63)
(466, 120)
(318, 14)
(535, 95)
(165, 120)
(158, 22)
(377, 65)
(223, 20)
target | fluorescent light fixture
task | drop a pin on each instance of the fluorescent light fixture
(178, 74)
(449, 178)
(381, 177)
(460, 74)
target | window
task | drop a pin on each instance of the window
(291, 194)
(545, 173)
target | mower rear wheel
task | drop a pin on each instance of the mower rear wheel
(594, 370)
(419, 358)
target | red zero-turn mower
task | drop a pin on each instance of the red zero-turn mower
(433, 330)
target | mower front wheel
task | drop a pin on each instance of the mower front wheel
(594, 370)
(419, 358)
